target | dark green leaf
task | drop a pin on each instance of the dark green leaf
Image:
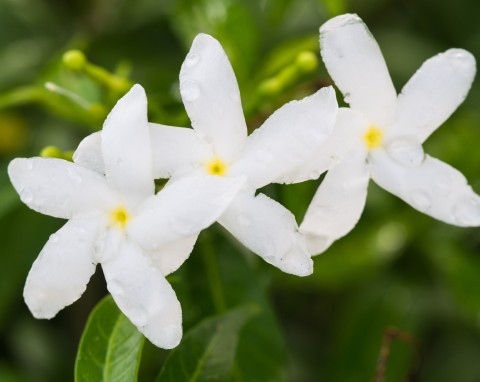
(207, 352)
(110, 347)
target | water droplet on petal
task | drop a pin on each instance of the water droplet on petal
(26, 196)
(189, 90)
(421, 200)
(264, 156)
(191, 60)
(74, 176)
(182, 226)
(115, 286)
(407, 152)
(467, 211)
(29, 165)
(138, 316)
(243, 221)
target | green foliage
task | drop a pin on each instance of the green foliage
(207, 352)
(110, 348)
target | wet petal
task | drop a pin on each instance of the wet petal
(433, 187)
(345, 136)
(126, 146)
(143, 295)
(182, 209)
(59, 188)
(337, 204)
(60, 274)
(355, 62)
(176, 150)
(211, 96)
(170, 257)
(288, 138)
(89, 153)
(433, 94)
(270, 230)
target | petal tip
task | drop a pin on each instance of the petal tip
(462, 60)
(340, 22)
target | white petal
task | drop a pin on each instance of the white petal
(433, 187)
(176, 150)
(126, 146)
(211, 96)
(59, 188)
(270, 230)
(355, 62)
(143, 295)
(182, 209)
(60, 274)
(337, 204)
(89, 153)
(345, 136)
(171, 256)
(434, 93)
(288, 138)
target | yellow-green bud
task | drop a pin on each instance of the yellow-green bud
(307, 61)
(74, 59)
(51, 152)
(269, 87)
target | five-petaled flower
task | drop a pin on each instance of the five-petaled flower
(218, 145)
(116, 219)
(384, 134)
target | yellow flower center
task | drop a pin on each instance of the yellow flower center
(119, 217)
(373, 137)
(216, 167)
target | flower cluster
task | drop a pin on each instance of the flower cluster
(116, 219)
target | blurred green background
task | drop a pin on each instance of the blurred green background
(398, 270)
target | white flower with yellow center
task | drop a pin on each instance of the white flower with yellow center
(218, 145)
(385, 134)
(116, 219)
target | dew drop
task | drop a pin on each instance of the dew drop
(182, 226)
(406, 152)
(264, 156)
(74, 176)
(26, 196)
(115, 286)
(467, 211)
(421, 200)
(191, 60)
(243, 221)
(189, 90)
(29, 165)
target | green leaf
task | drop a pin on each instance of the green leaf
(110, 348)
(207, 352)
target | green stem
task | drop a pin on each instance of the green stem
(213, 273)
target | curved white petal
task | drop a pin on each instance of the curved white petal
(182, 209)
(59, 188)
(433, 187)
(170, 257)
(89, 153)
(288, 138)
(176, 150)
(346, 135)
(433, 93)
(211, 96)
(143, 295)
(126, 146)
(355, 62)
(60, 274)
(270, 230)
(337, 204)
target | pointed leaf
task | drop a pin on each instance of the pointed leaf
(110, 348)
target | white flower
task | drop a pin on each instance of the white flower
(218, 145)
(385, 134)
(116, 220)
